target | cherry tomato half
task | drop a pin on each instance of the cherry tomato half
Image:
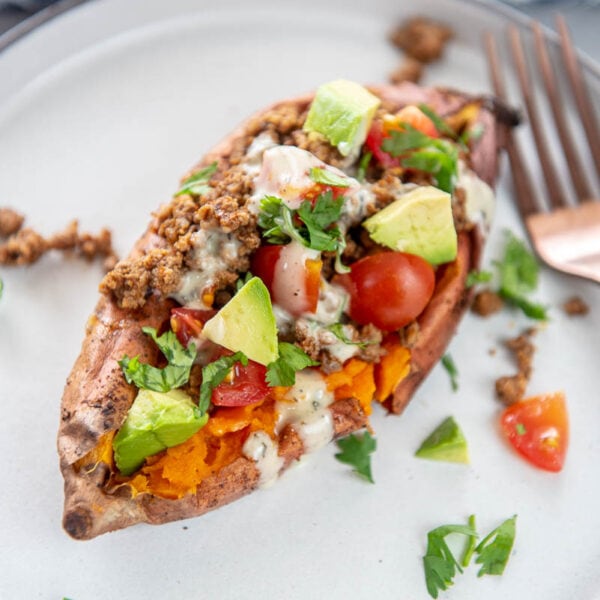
(187, 323)
(388, 289)
(246, 385)
(538, 428)
(292, 275)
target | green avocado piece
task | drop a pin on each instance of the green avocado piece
(155, 421)
(342, 111)
(247, 324)
(446, 443)
(419, 222)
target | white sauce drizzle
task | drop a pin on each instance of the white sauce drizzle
(480, 200)
(260, 448)
(306, 410)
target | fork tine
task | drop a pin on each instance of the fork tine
(522, 182)
(582, 99)
(553, 185)
(578, 176)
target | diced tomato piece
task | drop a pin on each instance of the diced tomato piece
(187, 323)
(317, 189)
(415, 117)
(538, 428)
(246, 385)
(388, 289)
(292, 276)
(374, 141)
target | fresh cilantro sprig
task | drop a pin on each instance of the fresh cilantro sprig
(312, 225)
(440, 564)
(356, 451)
(291, 359)
(518, 272)
(450, 366)
(214, 373)
(494, 549)
(174, 375)
(198, 182)
(474, 277)
(419, 151)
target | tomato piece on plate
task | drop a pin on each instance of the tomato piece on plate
(292, 274)
(412, 115)
(245, 385)
(538, 428)
(187, 323)
(373, 143)
(388, 289)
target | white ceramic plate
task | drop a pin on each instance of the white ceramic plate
(101, 111)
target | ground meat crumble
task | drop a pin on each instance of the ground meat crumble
(512, 388)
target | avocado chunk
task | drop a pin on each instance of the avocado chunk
(419, 222)
(155, 421)
(247, 324)
(342, 111)
(446, 443)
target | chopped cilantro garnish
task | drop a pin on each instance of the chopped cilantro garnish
(356, 451)
(520, 429)
(198, 182)
(214, 373)
(327, 177)
(174, 375)
(442, 127)
(494, 550)
(439, 563)
(450, 366)
(312, 225)
(291, 359)
(518, 272)
(475, 277)
(363, 165)
(417, 150)
(338, 330)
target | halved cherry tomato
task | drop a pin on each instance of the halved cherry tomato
(246, 385)
(291, 274)
(380, 130)
(388, 289)
(538, 428)
(187, 323)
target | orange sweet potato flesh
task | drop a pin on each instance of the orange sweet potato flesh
(96, 397)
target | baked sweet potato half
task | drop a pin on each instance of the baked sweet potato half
(311, 265)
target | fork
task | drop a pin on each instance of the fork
(566, 236)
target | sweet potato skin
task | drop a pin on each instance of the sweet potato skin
(96, 397)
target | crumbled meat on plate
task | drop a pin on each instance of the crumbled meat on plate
(422, 38)
(487, 303)
(576, 306)
(10, 221)
(409, 69)
(511, 389)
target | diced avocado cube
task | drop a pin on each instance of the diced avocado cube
(446, 443)
(419, 222)
(342, 111)
(247, 324)
(155, 421)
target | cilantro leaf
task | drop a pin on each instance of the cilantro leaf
(356, 451)
(430, 155)
(338, 330)
(174, 375)
(214, 373)
(327, 177)
(475, 277)
(291, 359)
(450, 366)
(363, 165)
(442, 127)
(439, 563)
(518, 271)
(494, 550)
(470, 545)
(198, 182)
(310, 225)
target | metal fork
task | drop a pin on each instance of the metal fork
(566, 236)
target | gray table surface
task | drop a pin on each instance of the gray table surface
(583, 17)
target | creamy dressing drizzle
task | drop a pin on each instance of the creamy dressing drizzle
(480, 200)
(214, 252)
(260, 448)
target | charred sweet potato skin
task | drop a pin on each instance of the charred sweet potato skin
(97, 397)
